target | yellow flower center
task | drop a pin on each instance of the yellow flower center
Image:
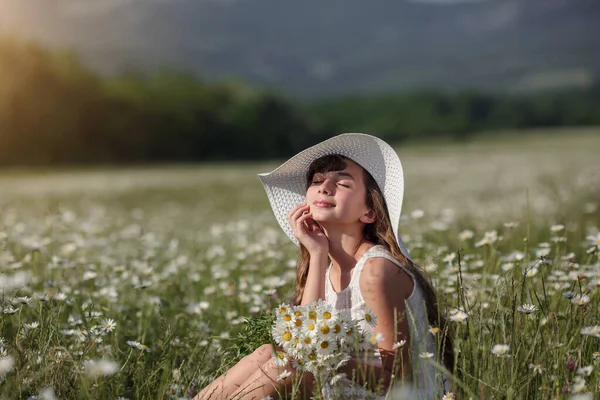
(337, 329)
(312, 315)
(324, 329)
(282, 309)
(324, 345)
(307, 340)
(349, 332)
(287, 336)
(327, 315)
(280, 355)
(298, 322)
(311, 327)
(311, 356)
(297, 313)
(368, 317)
(287, 318)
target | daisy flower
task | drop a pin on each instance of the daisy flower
(426, 355)
(370, 318)
(466, 234)
(500, 349)
(580, 299)
(96, 368)
(537, 368)
(109, 324)
(435, 330)
(591, 331)
(458, 316)
(585, 371)
(280, 359)
(6, 364)
(527, 308)
(399, 344)
(32, 325)
(285, 374)
(376, 339)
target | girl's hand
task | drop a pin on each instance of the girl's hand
(307, 231)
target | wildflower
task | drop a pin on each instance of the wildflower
(435, 330)
(531, 272)
(489, 238)
(376, 339)
(96, 368)
(466, 235)
(138, 345)
(448, 258)
(448, 396)
(527, 308)
(10, 310)
(591, 331)
(580, 299)
(285, 374)
(458, 316)
(556, 228)
(426, 355)
(511, 224)
(47, 394)
(571, 364)
(399, 344)
(32, 325)
(500, 349)
(585, 371)
(22, 300)
(417, 214)
(507, 266)
(60, 296)
(280, 358)
(370, 318)
(537, 368)
(6, 364)
(109, 325)
(579, 386)
(594, 240)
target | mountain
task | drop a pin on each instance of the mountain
(316, 48)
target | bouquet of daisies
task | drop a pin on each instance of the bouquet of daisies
(318, 338)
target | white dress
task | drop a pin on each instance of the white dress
(425, 377)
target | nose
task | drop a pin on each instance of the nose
(325, 187)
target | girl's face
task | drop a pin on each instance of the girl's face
(338, 197)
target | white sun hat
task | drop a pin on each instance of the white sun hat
(286, 185)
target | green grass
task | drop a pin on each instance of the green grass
(180, 256)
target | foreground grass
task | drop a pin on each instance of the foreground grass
(138, 283)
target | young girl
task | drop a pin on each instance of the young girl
(340, 200)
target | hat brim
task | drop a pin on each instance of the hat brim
(286, 186)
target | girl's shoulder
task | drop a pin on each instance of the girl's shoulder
(381, 271)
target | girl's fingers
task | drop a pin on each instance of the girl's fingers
(297, 212)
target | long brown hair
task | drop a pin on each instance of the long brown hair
(380, 233)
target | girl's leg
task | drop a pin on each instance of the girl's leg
(263, 382)
(230, 381)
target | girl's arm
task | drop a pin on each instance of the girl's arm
(315, 280)
(385, 289)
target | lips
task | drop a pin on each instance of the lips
(323, 204)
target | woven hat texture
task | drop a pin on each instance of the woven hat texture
(286, 186)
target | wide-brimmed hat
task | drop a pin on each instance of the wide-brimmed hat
(286, 185)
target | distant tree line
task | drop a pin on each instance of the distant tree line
(54, 111)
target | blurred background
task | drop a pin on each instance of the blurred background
(143, 81)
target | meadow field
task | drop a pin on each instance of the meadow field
(147, 282)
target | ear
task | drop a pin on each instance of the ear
(368, 217)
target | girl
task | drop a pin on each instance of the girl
(340, 201)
